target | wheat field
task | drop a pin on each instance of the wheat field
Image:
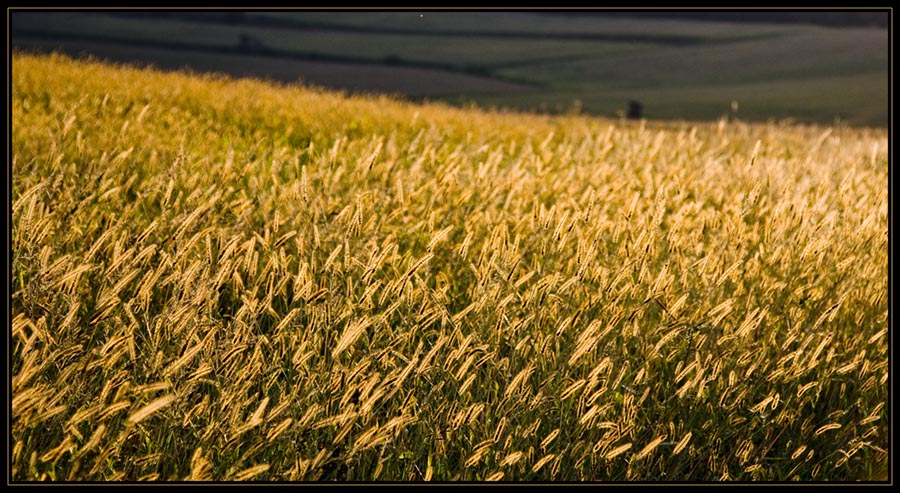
(228, 280)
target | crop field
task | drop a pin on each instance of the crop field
(230, 280)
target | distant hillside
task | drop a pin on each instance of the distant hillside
(680, 65)
(866, 18)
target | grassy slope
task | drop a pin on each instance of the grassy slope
(816, 66)
(826, 73)
(374, 47)
(218, 279)
(530, 22)
(407, 81)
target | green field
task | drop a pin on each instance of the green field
(222, 279)
(688, 70)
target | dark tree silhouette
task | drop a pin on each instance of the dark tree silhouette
(635, 110)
